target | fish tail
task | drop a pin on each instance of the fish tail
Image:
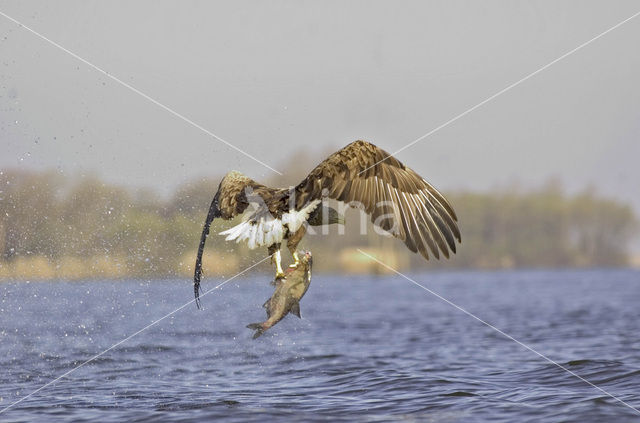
(258, 327)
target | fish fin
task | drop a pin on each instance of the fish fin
(259, 329)
(266, 306)
(295, 309)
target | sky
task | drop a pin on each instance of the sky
(273, 78)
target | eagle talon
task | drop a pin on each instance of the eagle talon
(296, 260)
(279, 272)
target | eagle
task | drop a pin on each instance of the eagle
(361, 175)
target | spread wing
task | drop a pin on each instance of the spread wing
(231, 200)
(398, 199)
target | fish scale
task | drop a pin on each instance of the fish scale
(287, 295)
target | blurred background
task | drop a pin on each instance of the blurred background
(104, 189)
(96, 181)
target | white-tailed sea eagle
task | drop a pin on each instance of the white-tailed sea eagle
(362, 175)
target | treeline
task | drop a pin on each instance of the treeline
(544, 228)
(53, 226)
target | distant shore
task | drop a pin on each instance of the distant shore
(350, 262)
(56, 226)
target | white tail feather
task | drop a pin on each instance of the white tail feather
(266, 230)
(295, 218)
(262, 232)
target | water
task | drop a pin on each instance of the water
(367, 349)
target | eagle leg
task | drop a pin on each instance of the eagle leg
(296, 259)
(292, 245)
(276, 257)
(274, 252)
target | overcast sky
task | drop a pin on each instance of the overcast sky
(274, 77)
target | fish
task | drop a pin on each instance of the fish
(287, 295)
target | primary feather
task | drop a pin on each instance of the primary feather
(397, 198)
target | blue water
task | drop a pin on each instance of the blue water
(366, 349)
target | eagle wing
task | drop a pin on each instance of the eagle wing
(398, 199)
(235, 193)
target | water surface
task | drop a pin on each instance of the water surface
(367, 349)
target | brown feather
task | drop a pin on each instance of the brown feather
(364, 173)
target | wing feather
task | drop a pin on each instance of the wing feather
(398, 199)
(426, 241)
(416, 217)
